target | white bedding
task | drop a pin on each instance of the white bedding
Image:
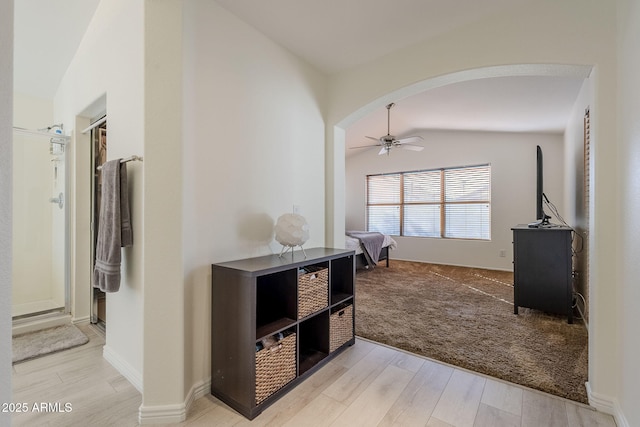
(354, 244)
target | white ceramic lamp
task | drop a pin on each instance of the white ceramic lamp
(291, 230)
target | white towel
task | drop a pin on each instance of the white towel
(114, 226)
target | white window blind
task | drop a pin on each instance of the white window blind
(384, 189)
(383, 204)
(444, 203)
(421, 207)
(467, 202)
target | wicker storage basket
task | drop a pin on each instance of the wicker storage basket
(313, 291)
(275, 367)
(340, 327)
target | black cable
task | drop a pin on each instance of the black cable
(554, 211)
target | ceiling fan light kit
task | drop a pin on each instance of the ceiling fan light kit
(388, 141)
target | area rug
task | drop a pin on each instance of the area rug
(464, 317)
(39, 343)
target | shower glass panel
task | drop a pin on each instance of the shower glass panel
(40, 261)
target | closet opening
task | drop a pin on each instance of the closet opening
(98, 158)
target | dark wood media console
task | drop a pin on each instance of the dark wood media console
(542, 266)
(304, 305)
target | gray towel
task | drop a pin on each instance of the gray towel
(114, 226)
(126, 232)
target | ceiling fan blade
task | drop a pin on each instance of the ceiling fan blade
(389, 141)
(412, 147)
(409, 139)
(365, 146)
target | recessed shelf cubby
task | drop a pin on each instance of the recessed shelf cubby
(275, 302)
(341, 280)
(314, 341)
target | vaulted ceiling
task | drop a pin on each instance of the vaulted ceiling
(335, 34)
(332, 35)
(46, 37)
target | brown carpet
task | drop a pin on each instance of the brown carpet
(464, 317)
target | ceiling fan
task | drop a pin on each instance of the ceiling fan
(389, 141)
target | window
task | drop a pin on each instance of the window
(444, 203)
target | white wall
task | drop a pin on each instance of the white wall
(129, 64)
(543, 32)
(629, 110)
(164, 364)
(253, 147)
(512, 157)
(6, 123)
(109, 61)
(576, 210)
(574, 156)
(31, 112)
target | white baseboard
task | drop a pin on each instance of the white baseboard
(163, 414)
(127, 371)
(177, 413)
(80, 320)
(200, 389)
(608, 405)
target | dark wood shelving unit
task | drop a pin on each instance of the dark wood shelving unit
(257, 298)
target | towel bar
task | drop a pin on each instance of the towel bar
(128, 159)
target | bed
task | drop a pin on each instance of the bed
(364, 260)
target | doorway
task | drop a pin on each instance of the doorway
(40, 285)
(98, 158)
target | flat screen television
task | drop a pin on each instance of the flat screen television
(541, 216)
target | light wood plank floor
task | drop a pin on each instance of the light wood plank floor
(367, 385)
